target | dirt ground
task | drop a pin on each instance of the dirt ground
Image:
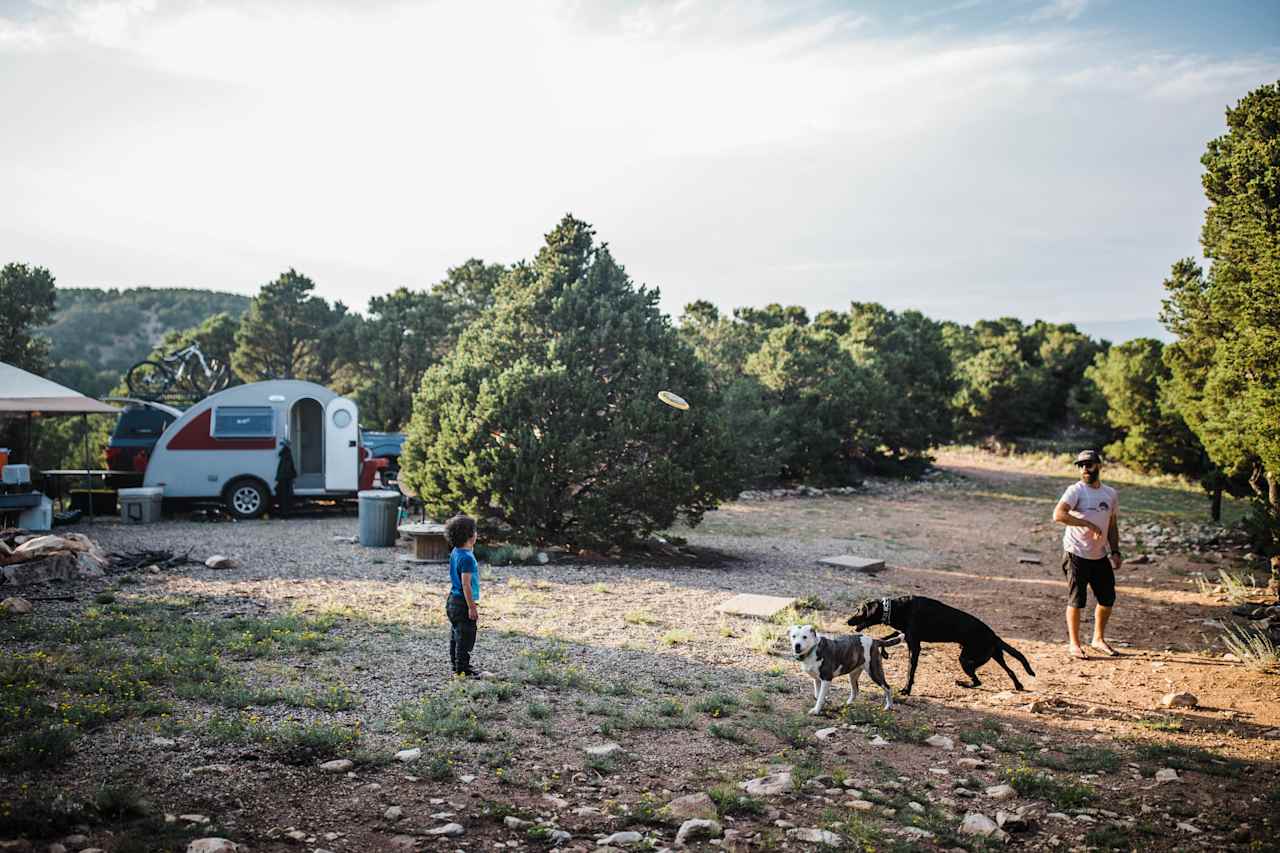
(589, 654)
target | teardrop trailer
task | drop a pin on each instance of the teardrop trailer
(226, 447)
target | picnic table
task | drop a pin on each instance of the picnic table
(429, 543)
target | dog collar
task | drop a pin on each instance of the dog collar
(886, 605)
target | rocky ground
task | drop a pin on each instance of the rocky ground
(298, 700)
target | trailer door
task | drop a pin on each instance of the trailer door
(341, 446)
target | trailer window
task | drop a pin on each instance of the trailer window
(244, 422)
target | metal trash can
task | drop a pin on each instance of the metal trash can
(379, 512)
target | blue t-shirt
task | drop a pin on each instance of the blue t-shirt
(462, 561)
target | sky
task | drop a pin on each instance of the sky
(966, 158)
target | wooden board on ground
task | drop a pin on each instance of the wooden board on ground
(858, 564)
(756, 606)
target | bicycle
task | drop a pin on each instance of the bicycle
(153, 379)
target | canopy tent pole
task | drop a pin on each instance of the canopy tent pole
(88, 478)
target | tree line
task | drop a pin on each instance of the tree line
(527, 390)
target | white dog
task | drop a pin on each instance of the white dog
(825, 658)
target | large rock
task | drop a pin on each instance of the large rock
(220, 561)
(1001, 792)
(620, 839)
(449, 830)
(976, 823)
(338, 765)
(697, 828)
(1166, 774)
(16, 604)
(603, 750)
(212, 845)
(769, 786)
(56, 567)
(815, 836)
(407, 755)
(1180, 700)
(699, 805)
(940, 741)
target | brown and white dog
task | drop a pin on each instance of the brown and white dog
(825, 658)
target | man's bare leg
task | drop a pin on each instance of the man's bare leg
(1073, 633)
(1100, 616)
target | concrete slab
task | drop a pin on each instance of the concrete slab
(756, 606)
(858, 564)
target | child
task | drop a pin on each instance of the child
(464, 592)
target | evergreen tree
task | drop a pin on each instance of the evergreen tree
(405, 333)
(545, 415)
(280, 336)
(28, 295)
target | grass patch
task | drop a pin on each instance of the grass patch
(299, 744)
(986, 731)
(1119, 837)
(640, 617)
(731, 801)
(1080, 759)
(548, 666)
(726, 731)
(718, 704)
(1160, 724)
(1188, 758)
(1255, 649)
(676, 637)
(765, 637)
(537, 711)
(1236, 587)
(792, 729)
(888, 724)
(1043, 786)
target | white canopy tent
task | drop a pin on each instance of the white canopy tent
(25, 393)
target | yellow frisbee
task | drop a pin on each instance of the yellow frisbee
(675, 401)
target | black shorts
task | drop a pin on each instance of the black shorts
(1085, 574)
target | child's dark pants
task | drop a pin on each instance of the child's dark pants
(462, 639)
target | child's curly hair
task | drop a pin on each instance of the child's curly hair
(459, 530)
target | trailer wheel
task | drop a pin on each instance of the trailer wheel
(246, 498)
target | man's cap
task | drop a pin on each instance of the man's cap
(1088, 457)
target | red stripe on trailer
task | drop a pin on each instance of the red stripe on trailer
(195, 436)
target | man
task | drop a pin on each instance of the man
(1091, 546)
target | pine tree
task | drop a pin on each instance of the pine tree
(281, 335)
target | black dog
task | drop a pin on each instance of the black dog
(924, 620)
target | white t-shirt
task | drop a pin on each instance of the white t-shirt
(1092, 504)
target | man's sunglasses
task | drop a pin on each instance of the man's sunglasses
(1088, 464)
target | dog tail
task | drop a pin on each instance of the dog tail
(1017, 654)
(891, 640)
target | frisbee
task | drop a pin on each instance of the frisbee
(675, 401)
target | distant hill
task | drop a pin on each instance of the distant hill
(112, 329)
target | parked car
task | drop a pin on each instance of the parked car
(137, 429)
(384, 445)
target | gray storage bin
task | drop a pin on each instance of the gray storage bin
(379, 513)
(142, 505)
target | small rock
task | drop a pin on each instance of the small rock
(296, 835)
(1180, 700)
(879, 741)
(767, 786)
(16, 604)
(1084, 818)
(940, 741)
(971, 763)
(224, 769)
(603, 750)
(620, 839)
(55, 847)
(194, 819)
(556, 802)
(1058, 816)
(513, 822)
(402, 842)
(449, 830)
(916, 832)
(338, 765)
(393, 813)
(823, 734)
(163, 742)
(467, 778)
(407, 755)
(218, 561)
(1166, 774)
(861, 805)
(446, 816)
(212, 845)
(75, 842)
(1191, 828)
(976, 823)
(815, 836)
(697, 828)
(1039, 706)
(1012, 821)
(559, 836)
(699, 805)
(1001, 792)
(915, 807)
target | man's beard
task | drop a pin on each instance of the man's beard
(1091, 476)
